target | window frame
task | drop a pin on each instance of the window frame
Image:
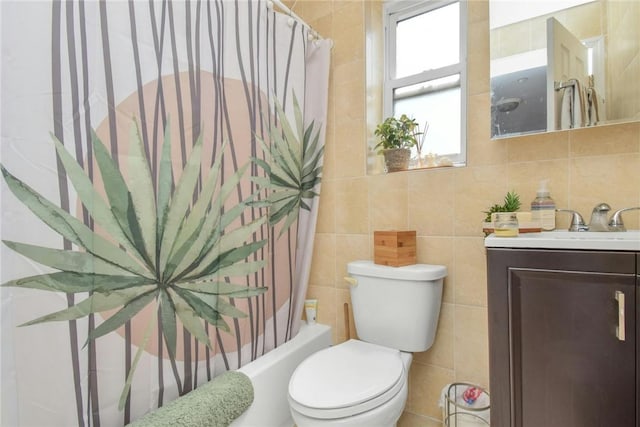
(399, 10)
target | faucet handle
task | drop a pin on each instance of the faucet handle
(616, 224)
(577, 222)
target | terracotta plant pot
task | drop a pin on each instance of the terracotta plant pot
(397, 159)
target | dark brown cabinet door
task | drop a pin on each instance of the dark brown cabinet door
(557, 354)
(570, 369)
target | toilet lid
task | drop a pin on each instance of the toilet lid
(345, 376)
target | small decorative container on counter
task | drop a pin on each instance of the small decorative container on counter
(505, 224)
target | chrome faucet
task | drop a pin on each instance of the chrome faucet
(616, 224)
(598, 220)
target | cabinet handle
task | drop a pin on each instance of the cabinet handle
(620, 333)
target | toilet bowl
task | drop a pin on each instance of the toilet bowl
(352, 384)
(365, 382)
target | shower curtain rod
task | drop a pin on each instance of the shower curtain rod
(292, 14)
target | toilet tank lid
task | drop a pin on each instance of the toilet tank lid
(417, 272)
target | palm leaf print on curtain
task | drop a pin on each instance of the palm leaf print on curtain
(160, 190)
(176, 258)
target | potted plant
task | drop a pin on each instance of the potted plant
(511, 203)
(397, 136)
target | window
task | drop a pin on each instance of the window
(425, 75)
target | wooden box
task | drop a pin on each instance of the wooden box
(394, 248)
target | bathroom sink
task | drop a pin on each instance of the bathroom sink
(562, 239)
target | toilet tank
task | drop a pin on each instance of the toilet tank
(397, 307)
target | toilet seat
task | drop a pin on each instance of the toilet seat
(346, 380)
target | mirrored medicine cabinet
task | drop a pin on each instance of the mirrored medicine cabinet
(574, 64)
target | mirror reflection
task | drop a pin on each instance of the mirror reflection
(563, 64)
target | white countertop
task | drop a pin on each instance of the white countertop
(562, 239)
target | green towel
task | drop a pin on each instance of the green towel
(216, 403)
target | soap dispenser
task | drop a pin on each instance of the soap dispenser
(543, 208)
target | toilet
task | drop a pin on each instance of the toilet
(364, 382)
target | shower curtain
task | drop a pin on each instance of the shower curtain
(161, 166)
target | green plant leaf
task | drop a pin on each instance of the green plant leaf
(221, 288)
(238, 236)
(92, 200)
(142, 192)
(313, 156)
(287, 146)
(175, 233)
(189, 256)
(49, 213)
(180, 202)
(197, 217)
(168, 321)
(233, 246)
(203, 244)
(208, 242)
(397, 133)
(220, 306)
(283, 195)
(294, 167)
(310, 142)
(227, 309)
(291, 218)
(242, 269)
(96, 303)
(248, 292)
(130, 309)
(118, 194)
(79, 262)
(190, 319)
(70, 282)
(238, 254)
(165, 182)
(225, 259)
(239, 269)
(264, 165)
(69, 227)
(278, 181)
(284, 163)
(312, 171)
(511, 202)
(285, 209)
(194, 222)
(303, 205)
(203, 310)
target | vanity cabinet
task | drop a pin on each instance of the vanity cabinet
(563, 338)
